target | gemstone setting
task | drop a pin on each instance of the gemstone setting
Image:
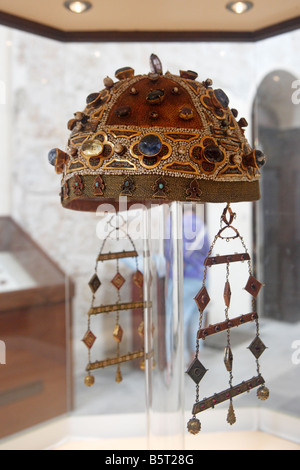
(150, 145)
(52, 157)
(222, 98)
(92, 148)
(155, 96)
(213, 154)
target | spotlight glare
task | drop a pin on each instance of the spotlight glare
(78, 7)
(239, 7)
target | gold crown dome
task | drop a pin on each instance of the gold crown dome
(157, 138)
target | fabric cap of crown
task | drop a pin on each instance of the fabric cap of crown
(157, 138)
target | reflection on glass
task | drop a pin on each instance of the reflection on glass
(277, 125)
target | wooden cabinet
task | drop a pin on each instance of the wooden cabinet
(35, 325)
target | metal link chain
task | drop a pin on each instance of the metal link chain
(250, 270)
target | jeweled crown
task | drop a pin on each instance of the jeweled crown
(157, 137)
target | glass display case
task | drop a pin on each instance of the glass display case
(35, 329)
(42, 246)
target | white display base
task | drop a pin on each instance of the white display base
(257, 429)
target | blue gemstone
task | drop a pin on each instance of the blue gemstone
(222, 98)
(52, 157)
(150, 145)
(260, 158)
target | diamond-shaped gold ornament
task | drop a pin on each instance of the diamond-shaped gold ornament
(118, 281)
(257, 347)
(202, 299)
(89, 339)
(253, 286)
(94, 283)
(196, 371)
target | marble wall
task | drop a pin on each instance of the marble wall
(49, 81)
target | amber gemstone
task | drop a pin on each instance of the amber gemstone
(243, 122)
(124, 72)
(189, 74)
(155, 96)
(186, 113)
(207, 83)
(123, 111)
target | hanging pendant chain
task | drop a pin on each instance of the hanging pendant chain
(196, 370)
(226, 220)
(228, 331)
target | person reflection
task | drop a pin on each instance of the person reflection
(195, 250)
